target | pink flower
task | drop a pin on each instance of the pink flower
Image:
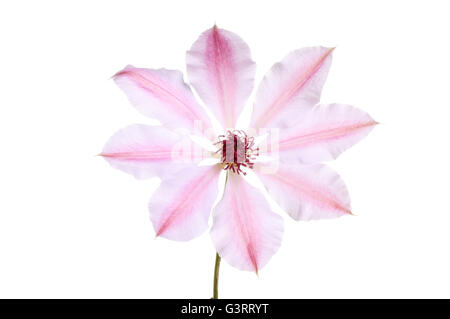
(245, 231)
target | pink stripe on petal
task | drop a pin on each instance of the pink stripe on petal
(142, 155)
(220, 69)
(146, 151)
(245, 232)
(307, 192)
(162, 94)
(324, 133)
(180, 207)
(291, 87)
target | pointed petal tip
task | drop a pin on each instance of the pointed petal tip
(159, 232)
(214, 29)
(256, 272)
(255, 266)
(117, 74)
(330, 51)
(104, 155)
(349, 213)
(370, 123)
(124, 71)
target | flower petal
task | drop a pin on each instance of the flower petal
(162, 94)
(324, 133)
(245, 232)
(146, 151)
(221, 70)
(291, 87)
(180, 207)
(307, 192)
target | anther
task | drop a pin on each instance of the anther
(237, 151)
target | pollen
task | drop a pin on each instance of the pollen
(237, 150)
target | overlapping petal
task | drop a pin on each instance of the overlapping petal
(291, 87)
(180, 207)
(221, 70)
(162, 94)
(245, 232)
(307, 192)
(146, 151)
(324, 133)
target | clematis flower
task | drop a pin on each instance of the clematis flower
(245, 231)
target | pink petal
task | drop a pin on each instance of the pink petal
(291, 87)
(162, 94)
(221, 70)
(147, 151)
(180, 207)
(307, 192)
(324, 133)
(245, 232)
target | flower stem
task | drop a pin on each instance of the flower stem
(217, 264)
(216, 277)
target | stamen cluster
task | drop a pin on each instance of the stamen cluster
(237, 150)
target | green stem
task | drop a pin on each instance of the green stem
(216, 277)
(217, 264)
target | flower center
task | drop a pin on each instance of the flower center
(237, 150)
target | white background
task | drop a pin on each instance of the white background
(71, 226)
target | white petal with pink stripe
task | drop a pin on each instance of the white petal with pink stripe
(291, 87)
(307, 192)
(146, 151)
(162, 94)
(180, 207)
(324, 133)
(221, 70)
(245, 232)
